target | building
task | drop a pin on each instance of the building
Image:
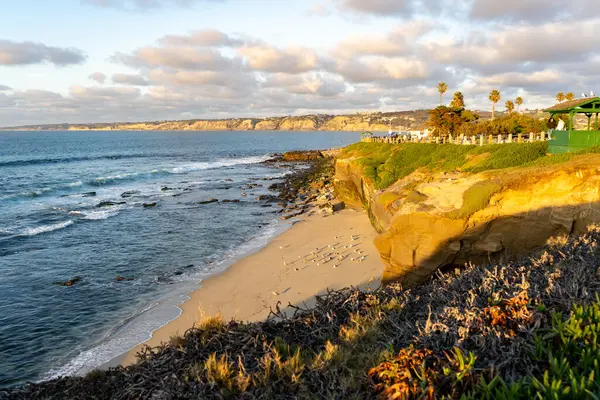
(564, 137)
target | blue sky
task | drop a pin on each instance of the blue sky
(127, 60)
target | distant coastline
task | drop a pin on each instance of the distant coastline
(377, 121)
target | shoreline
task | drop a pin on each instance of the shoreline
(282, 271)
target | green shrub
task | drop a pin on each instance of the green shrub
(385, 163)
(568, 356)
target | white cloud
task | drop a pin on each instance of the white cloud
(26, 53)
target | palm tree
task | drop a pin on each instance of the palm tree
(458, 101)
(442, 88)
(519, 101)
(570, 96)
(510, 106)
(494, 98)
(560, 97)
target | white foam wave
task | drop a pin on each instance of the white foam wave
(228, 162)
(46, 228)
(102, 214)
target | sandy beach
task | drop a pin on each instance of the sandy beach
(317, 253)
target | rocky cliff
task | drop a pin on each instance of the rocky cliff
(377, 122)
(431, 219)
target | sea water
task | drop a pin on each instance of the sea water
(54, 227)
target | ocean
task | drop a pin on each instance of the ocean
(72, 205)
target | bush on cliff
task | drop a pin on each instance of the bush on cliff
(386, 163)
(521, 330)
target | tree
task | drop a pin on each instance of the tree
(494, 98)
(560, 97)
(442, 88)
(519, 101)
(458, 101)
(510, 106)
(570, 96)
(447, 120)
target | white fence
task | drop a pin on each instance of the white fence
(478, 140)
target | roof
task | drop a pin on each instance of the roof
(569, 105)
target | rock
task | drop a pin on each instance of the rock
(89, 194)
(110, 203)
(231, 201)
(129, 193)
(267, 197)
(339, 206)
(308, 155)
(209, 201)
(166, 189)
(120, 278)
(70, 282)
(228, 180)
(149, 205)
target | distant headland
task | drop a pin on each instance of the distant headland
(358, 122)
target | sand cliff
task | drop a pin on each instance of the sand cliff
(430, 220)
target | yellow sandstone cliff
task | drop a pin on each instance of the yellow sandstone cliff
(431, 220)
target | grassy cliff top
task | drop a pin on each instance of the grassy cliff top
(527, 329)
(385, 163)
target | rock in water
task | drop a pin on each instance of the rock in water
(129, 193)
(308, 155)
(70, 282)
(120, 278)
(110, 203)
(148, 205)
(209, 201)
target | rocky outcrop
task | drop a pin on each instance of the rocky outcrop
(308, 155)
(429, 221)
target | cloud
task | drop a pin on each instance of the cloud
(514, 46)
(524, 80)
(201, 38)
(271, 59)
(375, 69)
(4, 88)
(98, 77)
(130, 79)
(319, 10)
(27, 53)
(320, 84)
(400, 41)
(529, 10)
(179, 57)
(377, 7)
(143, 4)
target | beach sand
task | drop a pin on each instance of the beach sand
(284, 271)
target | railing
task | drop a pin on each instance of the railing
(479, 140)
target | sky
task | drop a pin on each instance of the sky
(84, 61)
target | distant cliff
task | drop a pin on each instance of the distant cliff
(376, 122)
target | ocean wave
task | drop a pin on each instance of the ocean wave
(226, 162)
(42, 191)
(102, 214)
(45, 228)
(59, 160)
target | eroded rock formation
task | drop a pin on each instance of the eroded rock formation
(432, 220)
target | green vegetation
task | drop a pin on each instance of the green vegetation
(475, 198)
(385, 163)
(507, 124)
(522, 330)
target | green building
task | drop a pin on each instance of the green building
(564, 137)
